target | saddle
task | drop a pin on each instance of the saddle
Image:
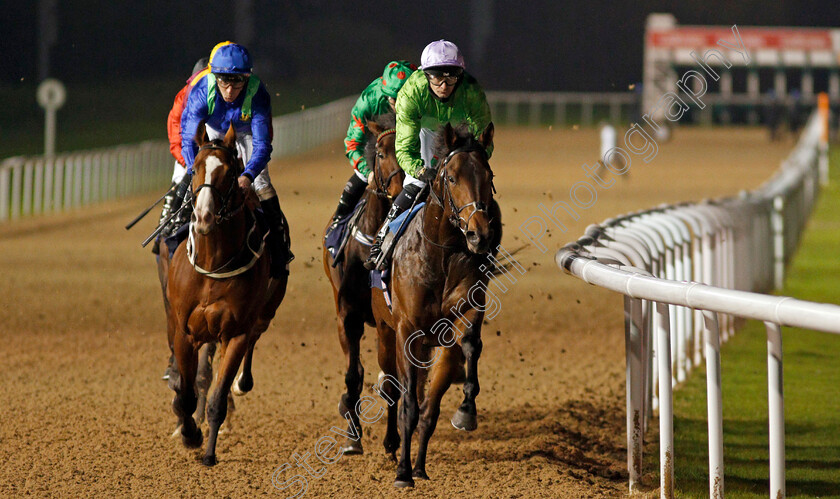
(346, 228)
(381, 279)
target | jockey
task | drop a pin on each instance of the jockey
(227, 93)
(441, 93)
(378, 98)
(173, 130)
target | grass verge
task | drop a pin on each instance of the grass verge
(812, 393)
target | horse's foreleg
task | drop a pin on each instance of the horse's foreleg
(245, 381)
(443, 373)
(203, 379)
(387, 386)
(350, 330)
(409, 415)
(185, 400)
(231, 357)
(465, 417)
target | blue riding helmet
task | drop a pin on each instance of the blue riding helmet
(231, 59)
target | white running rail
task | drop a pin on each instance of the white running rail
(687, 272)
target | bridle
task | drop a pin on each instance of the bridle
(478, 206)
(383, 185)
(224, 213)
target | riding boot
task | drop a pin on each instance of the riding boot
(175, 203)
(379, 257)
(352, 193)
(164, 214)
(279, 244)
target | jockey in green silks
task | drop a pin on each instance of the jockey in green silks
(377, 98)
(441, 93)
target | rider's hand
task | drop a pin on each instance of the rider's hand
(427, 174)
(244, 183)
(370, 177)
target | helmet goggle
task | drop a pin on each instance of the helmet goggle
(231, 80)
(448, 75)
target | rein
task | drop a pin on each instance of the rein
(382, 186)
(478, 206)
(224, 212)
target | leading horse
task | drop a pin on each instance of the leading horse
(218, 289)
(350, 280)
(439, 279)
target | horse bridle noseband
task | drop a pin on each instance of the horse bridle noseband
(382, 187)
(478, 206)
(224, 213)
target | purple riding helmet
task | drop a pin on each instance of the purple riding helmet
(441, 53)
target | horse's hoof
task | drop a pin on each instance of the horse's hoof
(177, 432)
(402, 483)
(464, 421)
(352, 448)
(192, 441)
(421, 474)
(209, 461)
(241, 387)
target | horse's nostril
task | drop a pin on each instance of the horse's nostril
(471, 235)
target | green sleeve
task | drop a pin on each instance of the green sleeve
(408, 129)
(354, 143)
(478, 115)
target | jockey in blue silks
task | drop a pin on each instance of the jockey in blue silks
(228, 93)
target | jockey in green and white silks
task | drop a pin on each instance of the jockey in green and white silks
(441, 93)
(377, 98)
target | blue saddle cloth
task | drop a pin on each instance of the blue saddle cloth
(382, 279)
(334, 239)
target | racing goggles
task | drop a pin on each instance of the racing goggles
(438, 77)
(231, 80)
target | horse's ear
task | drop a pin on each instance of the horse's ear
(487, 136)
(374, 127)
(201, 137)
(449, 136)
(230, 137)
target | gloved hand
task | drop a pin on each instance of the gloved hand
(370, 177)
(183, 186)
(427, 174)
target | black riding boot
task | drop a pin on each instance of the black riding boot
(278, 241)
(379, 259)
(174, 201)
(352, 193)
(164, 214)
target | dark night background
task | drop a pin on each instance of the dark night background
(312, 51)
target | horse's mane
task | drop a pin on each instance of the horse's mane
(385, 121)
(463, 138)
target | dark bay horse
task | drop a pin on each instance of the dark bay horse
(218, 289)
(350, 280)
(438, 296)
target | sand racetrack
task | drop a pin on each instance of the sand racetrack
(85, 413)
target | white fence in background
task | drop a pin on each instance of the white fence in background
(36, 184)
(687, 271)
(561, 108)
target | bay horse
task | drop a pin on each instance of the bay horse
(351, 281)
(437, 266)
(218, 289)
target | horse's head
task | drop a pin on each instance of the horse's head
(381, 156)
(215, 189)
(464, 183)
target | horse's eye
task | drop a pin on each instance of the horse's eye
(380, 155)
(451, 179)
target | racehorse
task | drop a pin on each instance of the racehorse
(437, 298)
(350, 280)
(218, 289)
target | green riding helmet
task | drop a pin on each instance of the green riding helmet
(395, 74)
